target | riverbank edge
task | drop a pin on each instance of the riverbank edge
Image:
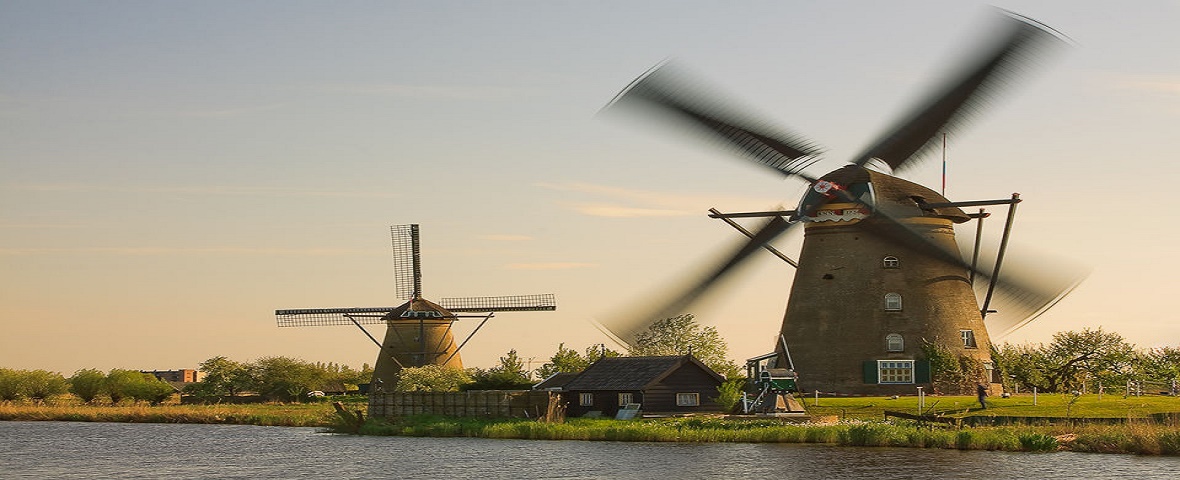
(1140, 437)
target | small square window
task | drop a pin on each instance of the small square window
(968, 337)
(586, 399)
(895, 371)
(625, 398)
(688, 399)
(893, 302)
(891, 262)
(894, 343)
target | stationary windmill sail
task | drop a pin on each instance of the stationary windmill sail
(880, 277)
(418, 332)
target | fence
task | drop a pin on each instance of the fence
(484, 403)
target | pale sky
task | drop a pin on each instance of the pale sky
(173, 172)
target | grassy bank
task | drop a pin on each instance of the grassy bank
(285, 415)
(1137, 437)
(1047, 405)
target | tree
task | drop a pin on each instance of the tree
(222, 376)
(286, 379)
(509, 375)
(681, 335)
(431, 378)
(122, 384)
(10, 385)
(1163, 365)
(87, 384)
(1072, 358)
(566, 360)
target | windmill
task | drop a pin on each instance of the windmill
(880, 277)
(417, 332)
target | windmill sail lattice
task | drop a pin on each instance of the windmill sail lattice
(418, 332)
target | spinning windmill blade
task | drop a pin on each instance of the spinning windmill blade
(666, 91)
(625, 327)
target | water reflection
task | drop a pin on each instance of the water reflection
(90, 450)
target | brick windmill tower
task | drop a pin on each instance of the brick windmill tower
(880, 282)
(417, 332)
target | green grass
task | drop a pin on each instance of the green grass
(1048, 405)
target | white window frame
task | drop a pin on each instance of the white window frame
(625, 398)
(894, 339)
(895, 372)
(893, 302)
(968, 337)
(688, 399)
(586, 399)
(891, 261)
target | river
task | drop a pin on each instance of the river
(180, 451)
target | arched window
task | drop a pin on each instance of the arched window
(891, 262)
(894, 343)
(892, 301)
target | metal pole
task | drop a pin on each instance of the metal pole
(978, 238)
(749, 234)
(456, 352)
(379, 346)
(1034, 396)
(991, 287)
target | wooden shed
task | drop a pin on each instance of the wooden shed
(661, 385)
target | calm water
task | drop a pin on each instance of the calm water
(118, 450)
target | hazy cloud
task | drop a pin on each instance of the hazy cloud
(505, 238)
(205, 190)
(1149, 83)
(450, 92)
(548, 266)
(136, 251)
(643, 203)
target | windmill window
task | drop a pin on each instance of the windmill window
(968, 337)
(893, 302)
(894, 343)
(688, 399)
(586, 399)
(891, 262)
(895, 371)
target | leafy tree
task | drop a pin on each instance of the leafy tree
(597, 352)
(729, 394)
(11, 387)
(566, 360)
(121, 384)
(1072, 358)
(87, 384)
(42, 384)
(1163, 365)
(509, 375)
(431, 378)
(286, 379)
(681, 335)
(222, 376)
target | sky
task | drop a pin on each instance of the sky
(173, 172)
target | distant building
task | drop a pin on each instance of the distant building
(177, 376)
(661, 385)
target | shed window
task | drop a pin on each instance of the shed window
(891, 262)
(586, 399)
(893, 301)
(688, 399)
(895, 371)
(625, 398)
(894, 343)
(968, 337)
